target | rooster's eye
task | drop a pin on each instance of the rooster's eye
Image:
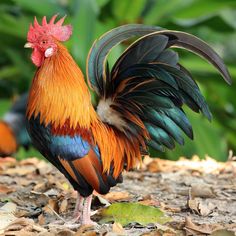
(43, 42)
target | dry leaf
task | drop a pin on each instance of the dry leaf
(117, 196)
(7, 215)
(194, 205)
(85, 230)
(41, 219)
(9, 207)
(65, 232)
(199, 207)
(223, 232)
(7, 162)
(30, 161)
(165, 229)
(154, 233)
(52, 192)
(201, 190)
(170, 208)
(63, 186)
(51, 207)
(118, 228)
(39, 187)
(20, 171)
(4, 189)
(154, 167)
(206, 209)
(23, 227)
(150, 202)
(189, 225)
(89, 233)
(63, 206)
(25, 182)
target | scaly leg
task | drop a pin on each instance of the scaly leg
(78, 207)
(75, 222)
(82, 213)
(87, 212)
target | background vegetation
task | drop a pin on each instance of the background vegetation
(214, 21)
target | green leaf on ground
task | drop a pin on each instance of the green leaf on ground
(126, 213)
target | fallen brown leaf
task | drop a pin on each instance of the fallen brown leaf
(5, 189)
(150, 202)
(154, 167)
(223, 232)
(86, 231)
(165, 230)
(7, 162)
(193, 204)
(41, 219)
(206, 209)
(39, 187)
(30, 161)
(198, 206)
(154, 233)
(20, 171)
(117, 196)
(23, 226)
(63, 206)
(191, 227)
(7, 215)
(201, 190)
(51, 207)
(118, 229)
(65, 232)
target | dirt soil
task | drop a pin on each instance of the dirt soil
(198, 195)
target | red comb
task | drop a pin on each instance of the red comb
(61, 33)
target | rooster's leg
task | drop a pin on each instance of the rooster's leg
(78, 207)
(87, 212)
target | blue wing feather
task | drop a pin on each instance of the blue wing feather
(70, 148)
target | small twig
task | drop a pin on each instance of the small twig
(56, 214)
(38, 228)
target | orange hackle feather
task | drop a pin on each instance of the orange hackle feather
(59, 93)
(61, 97)
(8, 144)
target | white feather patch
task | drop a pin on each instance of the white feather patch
(109, 115)
(49, 52)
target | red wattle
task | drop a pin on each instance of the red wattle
(37, 57)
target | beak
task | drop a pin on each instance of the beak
(28, 45)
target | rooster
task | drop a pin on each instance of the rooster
(140, 104)
(13, 131)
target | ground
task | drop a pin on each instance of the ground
(199, 196)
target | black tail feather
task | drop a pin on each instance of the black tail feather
(147, 84)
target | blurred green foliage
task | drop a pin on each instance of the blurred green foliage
(214, 21)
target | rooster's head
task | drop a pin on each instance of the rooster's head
(43, 38)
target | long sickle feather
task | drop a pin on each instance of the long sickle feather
(96, 66)
(199, 47)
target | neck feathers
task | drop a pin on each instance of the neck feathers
(59, 93)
